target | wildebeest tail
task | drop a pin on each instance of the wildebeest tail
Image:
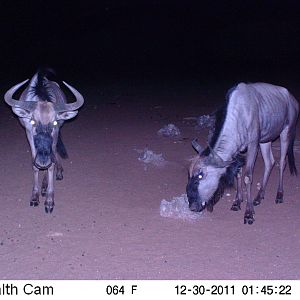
(291, 157)
(60, 147)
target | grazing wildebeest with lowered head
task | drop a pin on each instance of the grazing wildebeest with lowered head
(42, 110)
(254, 114)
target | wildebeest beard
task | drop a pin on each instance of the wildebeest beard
(43, 142)
(226, 181)
(218, 194)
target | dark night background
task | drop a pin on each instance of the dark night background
(100, 41)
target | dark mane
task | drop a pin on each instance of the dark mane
(220, 116)
(41, 88)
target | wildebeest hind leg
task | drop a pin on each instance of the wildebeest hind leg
(269, 161)
(284, 143)
(59, 169)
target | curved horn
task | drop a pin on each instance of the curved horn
(79, 99)
(8, 97)
(197, 146)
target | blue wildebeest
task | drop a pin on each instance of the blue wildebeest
(42, 109)
(254, 114)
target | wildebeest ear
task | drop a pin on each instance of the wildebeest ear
(22, 113)
(198, 148)
(66, 115)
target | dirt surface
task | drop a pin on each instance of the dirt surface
(106, 223)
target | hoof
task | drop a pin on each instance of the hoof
(279, 198)
(34, 203)
(49, 205)
(48, 209)
(256, 201)
(236, 207)
(248, 221)
(34, 199)
(248, 218)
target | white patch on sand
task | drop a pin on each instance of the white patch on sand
(149, 157)
(54, 234)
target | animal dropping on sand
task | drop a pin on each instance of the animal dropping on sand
(178, 208)
(149, 157)
(169, 130)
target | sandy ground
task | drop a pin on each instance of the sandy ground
(106, 222)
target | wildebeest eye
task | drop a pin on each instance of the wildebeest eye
(32, 122)
(200, 175)
(55, 123)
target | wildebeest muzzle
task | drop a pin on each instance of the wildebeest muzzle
(195, 203)
(43, 142)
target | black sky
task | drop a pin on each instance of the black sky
(119, 39)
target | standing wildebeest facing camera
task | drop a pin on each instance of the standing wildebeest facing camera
(42, 109)
(254, 114)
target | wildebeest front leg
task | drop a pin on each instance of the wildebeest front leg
(251, 156)
(44, 184)
(34, 201)
(49, 202)
(239, 193)
(269, 161)
(35, 190)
